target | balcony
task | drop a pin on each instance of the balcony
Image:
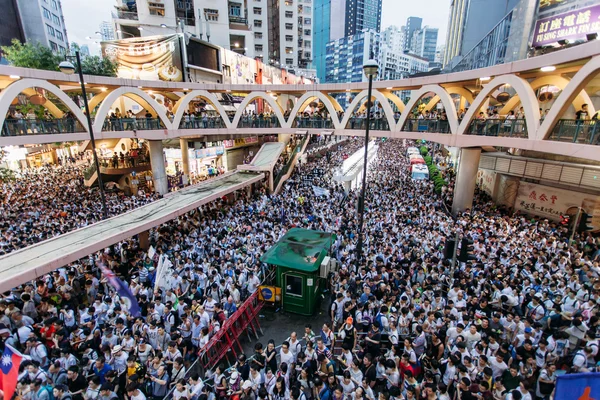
(130, 15)
(234, 19)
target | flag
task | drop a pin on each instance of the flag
(11, 360)
(583, 386)
(122, 290)
(319, 191)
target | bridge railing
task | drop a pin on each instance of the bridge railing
(576, 131)
(200, 123)
(313, 123)
(19, 127)
(268, 122)
(378, 124)
(426, 125)
(132, 124)
(498, 127)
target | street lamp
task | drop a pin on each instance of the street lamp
(370, 69)
(68, 68)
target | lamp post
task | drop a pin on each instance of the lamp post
(370, 69)
(68, 68)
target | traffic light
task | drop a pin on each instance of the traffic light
(467, 251)
(585, 223)
(449, 249)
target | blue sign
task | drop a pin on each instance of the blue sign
(585, 386)
(267, 293)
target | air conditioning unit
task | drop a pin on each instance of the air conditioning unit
(328, 265)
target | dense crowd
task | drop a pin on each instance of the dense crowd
(45, 202)
(403, 324)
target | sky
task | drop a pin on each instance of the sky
(83, 17)
(434, 13)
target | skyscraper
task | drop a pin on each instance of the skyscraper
(412, 24)
(107, 31)
(10, 23)
(424, 42)
(361, 15)
(328, 26)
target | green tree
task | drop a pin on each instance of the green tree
(95, 65)
(6, 175)
(31, 55)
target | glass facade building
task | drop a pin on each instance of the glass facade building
(361, 15)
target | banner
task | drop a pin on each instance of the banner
(571, 26)
(486, 181)
(210, 152)
(240, 142)
(319, 191)
(584, 386)
(151, 58)
(122, 290)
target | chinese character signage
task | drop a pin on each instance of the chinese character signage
(571, 25)
(210, 152)
(549, 202)
(486, 181)
(154, 58)
(240, 142)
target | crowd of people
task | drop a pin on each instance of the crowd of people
(401, 324)
(45, 202)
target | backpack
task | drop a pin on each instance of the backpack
(48, 388)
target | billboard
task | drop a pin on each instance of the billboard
(570, 25)
(154, 58)
(550, 4)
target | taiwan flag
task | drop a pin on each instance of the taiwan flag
(11, 360)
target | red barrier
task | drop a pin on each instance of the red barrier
(227, 338)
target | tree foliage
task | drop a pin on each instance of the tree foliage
(96, 65)
(31, 55)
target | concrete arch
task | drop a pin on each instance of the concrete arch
(48, 105)
(461, 91)
(553, 80)
(387, 109)
(183, 102)
(525, 92)
(95, 101)
(259, 95)
(14, 89)
(305, 100)
(444, 98)
(394, 99)
(570, 92)
(135, 94)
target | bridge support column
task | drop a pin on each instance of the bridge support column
(159, 174)
(144, 238)
(466, 179)
(185, 159)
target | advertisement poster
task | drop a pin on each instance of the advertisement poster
(546, 5)
(486, 181)
(156, 58)
(243, 69)
(550, 202)
(570, 26)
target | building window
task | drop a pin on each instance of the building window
(307, 9)
(307, 32)
(211, 14)
(289, 14)
(257, 35)
(47, 13)
(257, 11)
(289, 2)
(53, 45)
(62, 49)
(55, 19)
(289, 27)
(258, 47)
(289, 38)
(50, 30)
(54, 5)
(307, 21)
(289, 61)
(307, 44)
(257, 23)
(156, 9)
(235, 9)
(289, 50)
(59, 35)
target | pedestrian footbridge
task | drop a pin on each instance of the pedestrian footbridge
(34, 261)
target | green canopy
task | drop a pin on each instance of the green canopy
(300, 249)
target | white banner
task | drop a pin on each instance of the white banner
(319, 191)
(547, 201)
(486, 180)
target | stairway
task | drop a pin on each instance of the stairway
(287, 171)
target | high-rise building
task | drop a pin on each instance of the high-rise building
(10, 24)
(412, 24)
(424, 42)
(396, 62)
(34, 21)
(107, 31)
(328, 26)
(361, 15)
(346, 56)
(470, 21)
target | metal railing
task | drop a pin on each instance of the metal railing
(199, 123)
(290, 162)
(19, 127)
(89, 172)
(131, 15)
(314, 123)
(132, 124)
(259, 122)
(234, 19)
(378, 124)
(426, 125)
(498, 127)
(576, 131)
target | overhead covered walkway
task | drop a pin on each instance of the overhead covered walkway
(34, 261)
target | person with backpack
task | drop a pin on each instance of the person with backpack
(61, 392)
(40, 391)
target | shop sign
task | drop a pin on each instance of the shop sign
(210, 152)
(571, 26)
(240, 142)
